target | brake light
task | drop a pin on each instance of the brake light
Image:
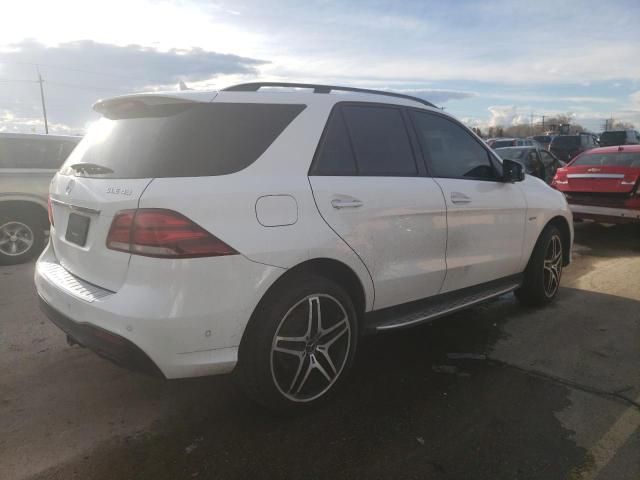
(163, 233)
(50, 210)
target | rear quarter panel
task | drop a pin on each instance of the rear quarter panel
(226, 205)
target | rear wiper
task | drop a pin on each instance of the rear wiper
(90, 169)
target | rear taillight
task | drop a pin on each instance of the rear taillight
(162, 233)
(50, 210)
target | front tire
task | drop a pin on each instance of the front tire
(299, 345)
(544, 270)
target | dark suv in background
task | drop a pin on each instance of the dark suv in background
(612, 138)
(566, 147)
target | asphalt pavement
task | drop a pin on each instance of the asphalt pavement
(496, 392)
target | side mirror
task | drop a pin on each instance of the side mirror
(512, 171)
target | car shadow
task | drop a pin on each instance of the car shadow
(410, 409)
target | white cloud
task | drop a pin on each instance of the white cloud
(504, 116)
(78, 73)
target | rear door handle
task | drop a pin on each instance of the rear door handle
(457, 197)
(338, 203)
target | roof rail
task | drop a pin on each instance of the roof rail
(255, 86)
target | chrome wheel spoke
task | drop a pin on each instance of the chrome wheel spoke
(334, 333)
(315, 317)
(297, 376)
(327, 356)
(318, 366)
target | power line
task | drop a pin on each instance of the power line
(72, 69)
(16, 80)
(85, 87)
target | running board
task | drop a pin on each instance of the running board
(428, 309)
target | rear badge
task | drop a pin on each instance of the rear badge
(70, 186)
(119, 191)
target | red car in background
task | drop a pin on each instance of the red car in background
(603, 184)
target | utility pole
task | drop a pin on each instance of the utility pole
(44, 108)
(531, 124)
(544, 130)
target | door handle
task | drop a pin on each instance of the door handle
(457, 197)
(338, 203)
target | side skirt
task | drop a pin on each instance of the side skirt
(420, 311)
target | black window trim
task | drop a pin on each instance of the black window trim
(490, 154)
(337, 110)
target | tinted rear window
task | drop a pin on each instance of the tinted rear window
(566, 141)
(622, 159)
(183, 140)
(380, 141)
(517, 154)
(613, 138)
(335, 156)
(503, 143)
(34, 152)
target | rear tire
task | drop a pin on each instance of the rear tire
(299, 344)
(544, 270)
(21, 238)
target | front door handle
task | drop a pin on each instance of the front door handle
(457, 197)
(338, 203)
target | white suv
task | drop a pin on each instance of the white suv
(264, 230)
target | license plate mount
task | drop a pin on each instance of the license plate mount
(77, 229)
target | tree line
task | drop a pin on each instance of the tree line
(551, 124)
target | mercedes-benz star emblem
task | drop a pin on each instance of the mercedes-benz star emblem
(70, 186)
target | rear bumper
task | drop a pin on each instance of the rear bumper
(184, 318)
(605, 214)
(106, 344)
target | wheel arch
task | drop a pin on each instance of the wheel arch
(26, 206)
(328, 268)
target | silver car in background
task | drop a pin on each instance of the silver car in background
(28, 162)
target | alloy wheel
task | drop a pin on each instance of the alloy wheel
(16, 238)
(552, 266)
(310, 348)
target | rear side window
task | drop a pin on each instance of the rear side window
(380, 141)
(335, 156)
(613, 138)
(365, 140)
(181, 140)
(34, 152)
(451, 151)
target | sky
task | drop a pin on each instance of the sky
(488, 62)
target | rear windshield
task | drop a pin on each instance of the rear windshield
(613, 138)
(517, 154)
(35, 152)
(180, 140)
(566, 141)
(621, 159)
(502, 143)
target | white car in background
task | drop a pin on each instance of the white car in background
(264, 230)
